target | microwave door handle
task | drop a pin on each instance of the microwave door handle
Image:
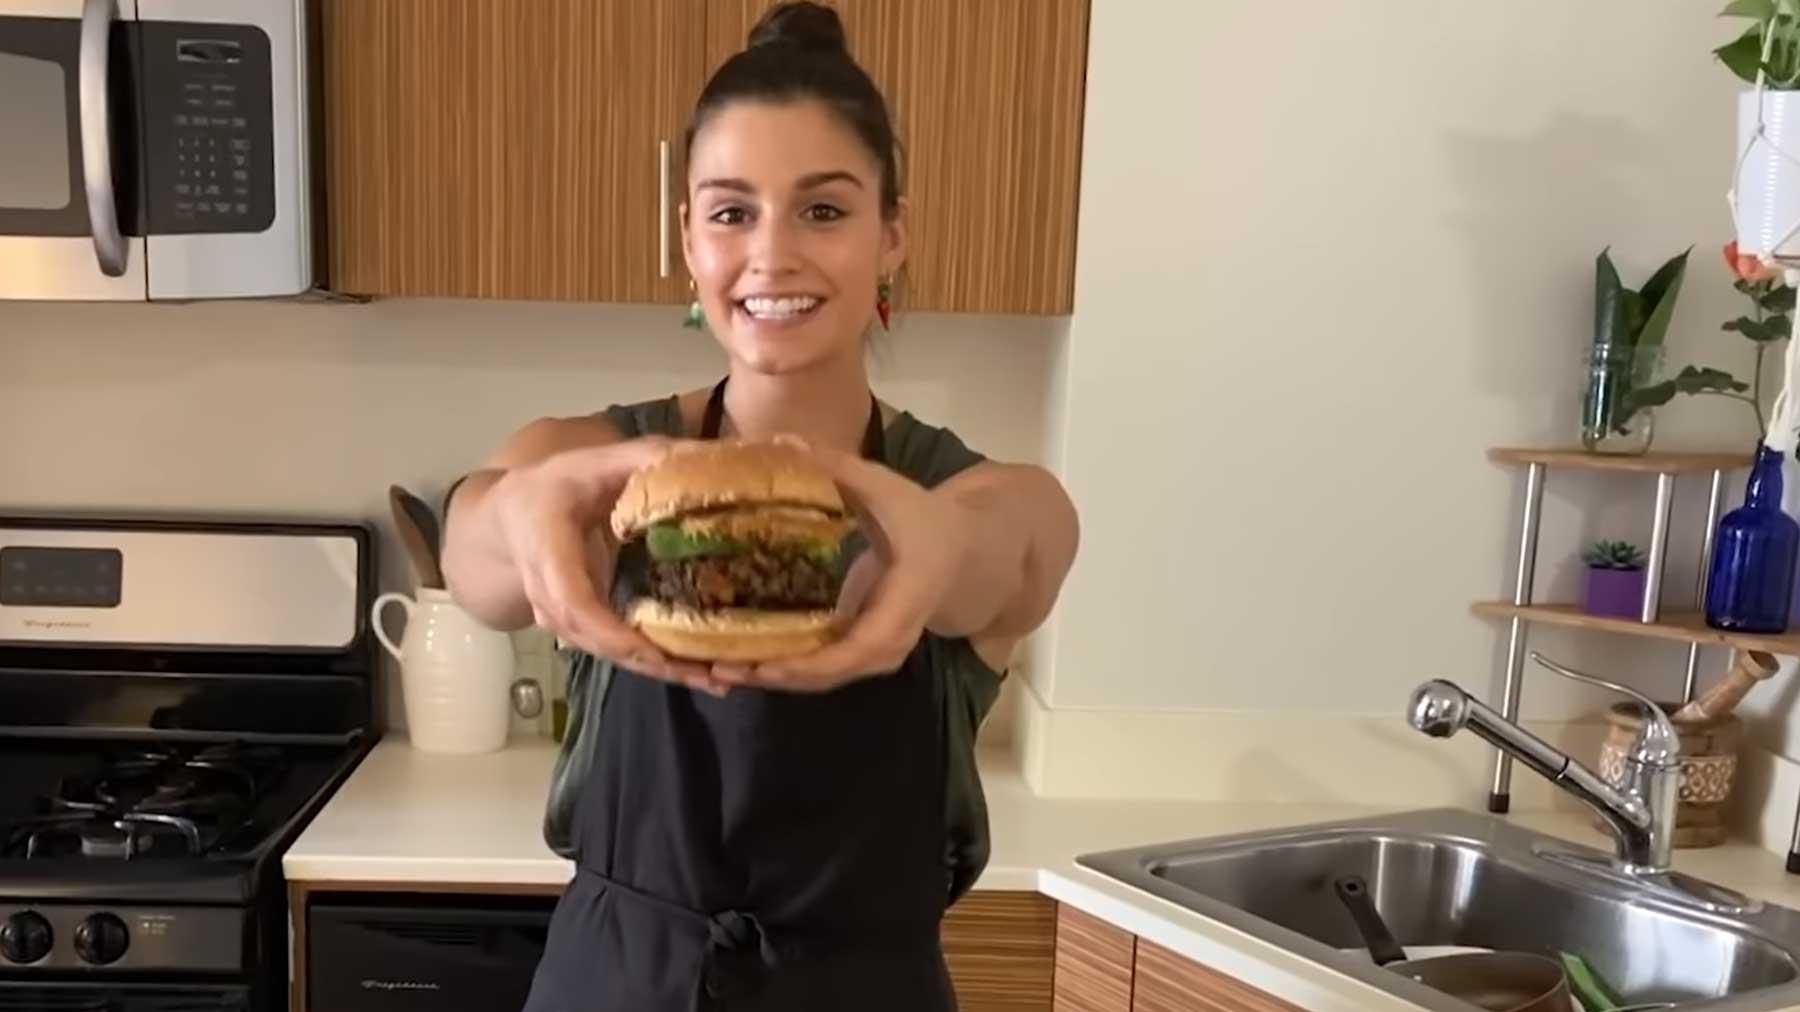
(96, 137)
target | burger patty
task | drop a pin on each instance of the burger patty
(756, 579)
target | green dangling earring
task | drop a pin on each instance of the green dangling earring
(883, 308)
(696, 318)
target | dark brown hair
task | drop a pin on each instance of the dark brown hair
(798, 50)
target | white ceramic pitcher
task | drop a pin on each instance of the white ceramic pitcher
(455, 674)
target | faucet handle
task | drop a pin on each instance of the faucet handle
(1656, 743)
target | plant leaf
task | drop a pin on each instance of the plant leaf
(1660, 294)
(1761, 10)
(1778, 300)
(1743, 55)
(1775, 328)
(1707, 380)
(1608, 315)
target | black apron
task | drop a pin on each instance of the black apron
(762, 851)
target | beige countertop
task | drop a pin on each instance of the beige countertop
(409, 817)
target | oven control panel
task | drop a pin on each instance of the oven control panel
(60, 937)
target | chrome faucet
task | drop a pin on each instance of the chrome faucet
(1640, 810)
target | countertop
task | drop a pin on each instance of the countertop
(409, 817)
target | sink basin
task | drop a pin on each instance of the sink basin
(1453, 877)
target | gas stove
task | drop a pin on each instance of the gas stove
(177, 700)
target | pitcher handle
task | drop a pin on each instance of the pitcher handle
(391, 597)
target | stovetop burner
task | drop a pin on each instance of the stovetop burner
(159, 801)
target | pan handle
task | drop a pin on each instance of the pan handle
(1354, 892)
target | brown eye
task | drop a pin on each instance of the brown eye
(823, 213)
(729, 216)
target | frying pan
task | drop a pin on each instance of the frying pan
(1495, 981)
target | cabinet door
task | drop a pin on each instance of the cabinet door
(1001, 947)
(507, 150)
(1167, 982)
(987, 100)
(1094, 963)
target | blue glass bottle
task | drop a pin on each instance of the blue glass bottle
(1750, 586)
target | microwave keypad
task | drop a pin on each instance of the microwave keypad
(210, 128)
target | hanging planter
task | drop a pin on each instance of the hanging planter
(1765, 191)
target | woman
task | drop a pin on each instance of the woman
(784, 836)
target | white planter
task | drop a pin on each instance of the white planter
(455, 674)
(1767, 184)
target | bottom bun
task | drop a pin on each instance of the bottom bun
(732, 634)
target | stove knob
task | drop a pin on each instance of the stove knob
(101, 939)
(25, 937)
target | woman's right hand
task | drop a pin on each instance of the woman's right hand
(553, 517)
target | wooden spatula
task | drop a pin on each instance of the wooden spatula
(419, 532)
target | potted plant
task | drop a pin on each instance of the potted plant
(1766, 188)
(1615, 579)
(1770, 320)
(1626, 353)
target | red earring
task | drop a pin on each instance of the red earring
(883, 308)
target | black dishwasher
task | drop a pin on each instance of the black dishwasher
(416, 953)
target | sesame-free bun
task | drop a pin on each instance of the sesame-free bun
(714, 473)
(732, 635)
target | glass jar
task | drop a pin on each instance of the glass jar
(1751, 583)
(1610, 422)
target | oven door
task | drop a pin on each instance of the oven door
(68, 227)
(131, 998)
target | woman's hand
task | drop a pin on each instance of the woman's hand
(917, 538)
(553, 518)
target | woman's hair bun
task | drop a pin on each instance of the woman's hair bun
(804, 25)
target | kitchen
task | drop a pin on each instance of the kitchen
(1293, 244)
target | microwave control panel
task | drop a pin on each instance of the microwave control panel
(208, 128)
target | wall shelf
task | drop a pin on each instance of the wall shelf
(1682, 627)
(1647, 463)
(1690, 627)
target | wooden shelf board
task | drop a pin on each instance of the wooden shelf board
(1680, 626)
(1648, 463)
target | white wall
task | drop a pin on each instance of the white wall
(314, 409)
(1329, 256)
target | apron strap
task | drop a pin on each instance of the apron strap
(874, 444)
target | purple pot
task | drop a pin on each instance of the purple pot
(1616, 592)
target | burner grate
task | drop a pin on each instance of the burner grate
(162, 801)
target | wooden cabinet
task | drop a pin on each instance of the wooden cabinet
(516, 150)
(1094, 963)
(1001, 947)
(507, 150)
(1166, 982)
(1103, 968)
(987, 100)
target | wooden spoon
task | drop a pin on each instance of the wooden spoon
(419, 532)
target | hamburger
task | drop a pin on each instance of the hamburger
(743, 541)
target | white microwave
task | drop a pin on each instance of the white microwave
(154, 149)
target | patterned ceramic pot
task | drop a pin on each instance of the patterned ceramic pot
(1709, 752)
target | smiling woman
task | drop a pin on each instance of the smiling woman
(785, 834)
(790, 244)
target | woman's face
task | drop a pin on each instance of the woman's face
(784, 234)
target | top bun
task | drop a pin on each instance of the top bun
(808, 26)
(725, 472)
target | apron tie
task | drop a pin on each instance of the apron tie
(738, 953)
(738, 949)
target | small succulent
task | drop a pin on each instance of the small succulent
(1614, 555)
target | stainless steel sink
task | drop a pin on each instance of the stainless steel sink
(1453, 877)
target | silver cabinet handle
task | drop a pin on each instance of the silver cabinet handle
(96, 138)
(662, 208)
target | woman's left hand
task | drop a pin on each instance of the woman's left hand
(916, 539)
